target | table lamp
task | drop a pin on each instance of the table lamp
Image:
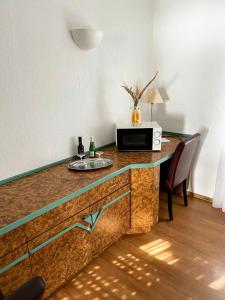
(152, 96)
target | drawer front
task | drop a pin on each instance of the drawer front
(61, 213)
(61, 252)
(76, 219)
(59, 260)
(12, 240)
(13, 272)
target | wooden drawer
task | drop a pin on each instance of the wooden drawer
(59, 260)
(66, 254)
(61, 213)
(12, 240)
(15, 276)
(78, 218)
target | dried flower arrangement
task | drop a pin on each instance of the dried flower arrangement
(138, 93)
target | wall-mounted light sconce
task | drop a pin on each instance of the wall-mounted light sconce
(87, 39)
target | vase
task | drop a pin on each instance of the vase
(136, 116)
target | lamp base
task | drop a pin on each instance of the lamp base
(151, 112)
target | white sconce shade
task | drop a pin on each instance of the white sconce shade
(87, 39)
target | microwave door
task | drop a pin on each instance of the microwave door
(134, 139)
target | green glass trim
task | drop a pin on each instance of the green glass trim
(176, 133)
(14, 262)
(61, 201)
(36, 170)
(150, 165)
(42, 168)
(67, 198)
(58, 235)
(26, 255)
(91, 219)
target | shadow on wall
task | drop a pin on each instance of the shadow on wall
(203, 130)
(168, 121)
(73, 145)
(176, 122)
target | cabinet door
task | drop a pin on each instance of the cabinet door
(60, 259)
(13, 276)
(144, 199)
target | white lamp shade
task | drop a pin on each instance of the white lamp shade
(87, 39)
(152, 96)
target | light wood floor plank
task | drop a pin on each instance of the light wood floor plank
(184, 259)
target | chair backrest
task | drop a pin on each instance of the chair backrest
(181, 162)
(1, 296)
(31, 290)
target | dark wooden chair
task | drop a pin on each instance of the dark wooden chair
(176, 171)
(31, 290)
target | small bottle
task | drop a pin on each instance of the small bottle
(80, 147)
(92, 148)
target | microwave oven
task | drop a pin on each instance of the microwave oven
(144, 137)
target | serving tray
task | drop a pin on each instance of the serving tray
(90, 164)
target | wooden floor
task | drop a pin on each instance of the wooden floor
(183, 259)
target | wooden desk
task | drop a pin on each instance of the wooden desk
(54, 222)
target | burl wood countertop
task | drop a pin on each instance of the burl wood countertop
(28, 197)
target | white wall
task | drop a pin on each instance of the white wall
(51, 91)
(189, 52)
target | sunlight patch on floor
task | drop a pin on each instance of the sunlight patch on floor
(155, 247)
(160, 250)
(218, 284)
(199, 277)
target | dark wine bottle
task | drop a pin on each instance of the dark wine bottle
(80, 147)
